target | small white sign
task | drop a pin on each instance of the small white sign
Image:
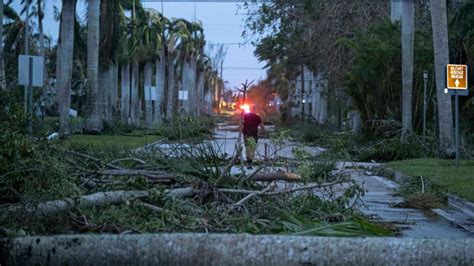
(149, 93)
(153, 94)
(183, 95)
(24, 73)
(72, 113)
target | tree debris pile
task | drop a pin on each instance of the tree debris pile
(149, 190)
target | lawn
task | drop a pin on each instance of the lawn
(110, 142)
(456, 180)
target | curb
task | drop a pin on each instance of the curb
(457, 207)
(460, 204)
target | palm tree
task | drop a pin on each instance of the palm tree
(160, 77)
(68, 14)
(441, 59)
(111, 14)
(157, 30)
(198, 68)
(175, 31)
(93, 123)
(190, 52)
(125, 95)
(408, 34)
(137, 23)
(147, 76)
(14, 36)
(3, 85)
(124, 60)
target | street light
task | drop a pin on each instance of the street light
(425, 81)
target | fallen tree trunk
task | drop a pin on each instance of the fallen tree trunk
(224, 249)
(97, 199)
(64, 205)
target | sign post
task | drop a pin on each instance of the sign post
(30, 74)
(456, 80)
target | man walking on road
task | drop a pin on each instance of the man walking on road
(250, 130)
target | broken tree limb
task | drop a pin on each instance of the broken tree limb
(311, 187)
(88, 157)
(185, 192)
(140, 161)
(156, 176)
(227, 249)
(231, 163)
(276, 176)
(149, 206)
(249, 196)
(64, 205)
(97, 199)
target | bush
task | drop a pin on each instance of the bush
(118, 127)
(392, 150)
(31, 168)
(185, 127)
(49, 125)
(316, 171)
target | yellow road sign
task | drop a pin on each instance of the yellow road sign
(456, 77)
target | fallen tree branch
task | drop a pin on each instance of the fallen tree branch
(150, 206)
(249, 196)
(140, 161)
(157, 176)
(64, 205)
(88, 157)
(97, 199)
(321, 185)
(237, 191)
(231, 163)
(276, 176)
(244, 191)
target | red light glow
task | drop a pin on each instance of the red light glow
(245, 108)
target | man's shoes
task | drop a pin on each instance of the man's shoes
(249, 167)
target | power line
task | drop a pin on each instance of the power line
(245, 68)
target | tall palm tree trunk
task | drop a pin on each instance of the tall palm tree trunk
(147, 72)
(323, 106)
(3, 85)
(192, 85)
(200, 94)
(105, 88)
(441, 56)
(114, 92)
(160, 76)
(408, 35)
(316, 96)
(125, 100)
(134, 107)
(93, 123)
(186, 84)
(170, 105)
(65, 69)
